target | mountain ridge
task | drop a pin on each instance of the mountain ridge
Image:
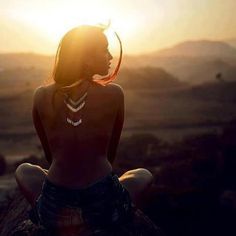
(198, 48)
(190, 61)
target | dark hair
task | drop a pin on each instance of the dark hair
(73, 51)
(75, 47)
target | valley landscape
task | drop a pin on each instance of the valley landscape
(171, 94)
(180, 121)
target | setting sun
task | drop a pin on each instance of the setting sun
(52, 25)
(143, 28)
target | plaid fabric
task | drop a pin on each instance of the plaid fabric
(102, 205)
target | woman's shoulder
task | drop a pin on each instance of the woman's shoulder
(41, 91)
(116, 89)
(44, 91)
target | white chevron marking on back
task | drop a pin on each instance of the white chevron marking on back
(75, 109)
(74, 123)
(75, 103)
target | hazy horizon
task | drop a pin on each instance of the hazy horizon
(129, 54)
(37, 26)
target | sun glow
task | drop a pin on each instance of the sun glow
(52, 25)
(144, 26)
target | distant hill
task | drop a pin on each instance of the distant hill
(147, 78)
(202, 48)
(231, 42)
(25, 60)
(193, 62)
(217, 92)
(197, 71)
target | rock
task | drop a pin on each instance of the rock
(7, 186)
(15, 222)
(14, 213)
(228, 199)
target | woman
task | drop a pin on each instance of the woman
(79, 121)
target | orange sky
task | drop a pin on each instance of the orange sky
(144, 26)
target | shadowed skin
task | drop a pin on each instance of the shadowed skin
(79, 156)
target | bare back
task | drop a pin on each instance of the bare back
(79, 155)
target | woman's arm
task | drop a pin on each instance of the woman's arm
(39, 126)
(117, 128)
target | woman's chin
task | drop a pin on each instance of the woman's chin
(104, 73)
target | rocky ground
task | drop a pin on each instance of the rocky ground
(15, 222)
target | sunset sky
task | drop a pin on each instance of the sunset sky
(144, 25)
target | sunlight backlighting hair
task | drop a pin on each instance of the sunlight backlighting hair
(74, 49)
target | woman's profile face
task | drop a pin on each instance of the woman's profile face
(101, 59)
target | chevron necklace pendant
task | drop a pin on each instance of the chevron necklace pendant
(74, 109)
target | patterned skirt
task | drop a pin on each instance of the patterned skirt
(103, 208)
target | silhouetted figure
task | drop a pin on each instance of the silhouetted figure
(79, 121)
